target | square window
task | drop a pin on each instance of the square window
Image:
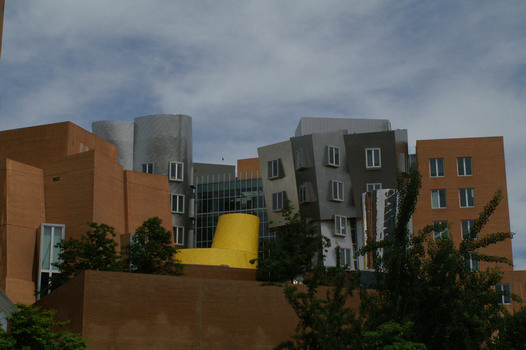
(438, 199)
(441, 230)
(464, 166)
(340, 225)
(373, 187)
(472, 261)
(273, 169)
(177, 203)
(467, 197)
(278, 200)
(465, 227)
(176, 171)
(334, 156)
(147, 168)
(178, 235)
(337, 191)
(504, 293)
(436, 167)
(373, 158)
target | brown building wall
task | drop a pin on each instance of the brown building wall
(248, 168)
(22, 192)
(517, 282)
(489, 175)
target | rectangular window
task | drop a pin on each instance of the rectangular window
(303, 193)
(438, 199)
(50, 235)
(278, 200)
(147, 168)
(334, 156)
(354, 239)
(373, 158)
(299, 160)
(436, 167)
(504, 293)
(373, 187)
(273, 169)
(178, 203)
(176, 171)
(464, 166)
(465, 227)
(467, 197)
(472, 261)
(340, 225)
(344, 256)
(441, 230)
(178, 235)
(337, 191)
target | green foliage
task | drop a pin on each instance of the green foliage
(390, 336)
(32, 328)
(294, 251)
(95, 250)
(152, 251)
(511, 332)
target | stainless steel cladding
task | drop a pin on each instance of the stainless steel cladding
(119, 133)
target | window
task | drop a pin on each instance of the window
(147, 168)
(504, 293)
(178, 235)
(176, 171)
(344, 256)
(278, 200)
(441, 230)
(334, 156)
(373, 187)
(337, 190)
(464, 166)
(273, 169)
(303, 193)
(177, 203)
(340, 225)
(50, 235)
(299, 160)
(354, 239)
(438, 199)
(472, 261)
(373, 158)
(467, 197)
(436, 167)
(465, 228)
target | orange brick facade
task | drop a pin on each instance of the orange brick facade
(488, 176)
(63, 174)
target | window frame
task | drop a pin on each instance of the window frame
(147, 168)
(334, 153)
(299, 159)
(374, 185)
(178, 232)
(466, 226)
(444, 234)
(179, 202)
(339, 229)
(464, 197)
(462, 161)
(434, 167)
(441, 205)
(376, 163)
(278, 201)
(505, 290)
(471, 263)
(174, 175)
(273, 169)
(303, 193)
(337, 191)
(54, 252)
(345, 257)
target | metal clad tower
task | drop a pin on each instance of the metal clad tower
(120, 133)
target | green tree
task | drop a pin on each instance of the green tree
(152, 250)
(33, 328)
(294, 251)
(95, 250)
(511, 332)
(390, 336)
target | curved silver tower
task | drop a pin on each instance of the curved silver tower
(120, 133)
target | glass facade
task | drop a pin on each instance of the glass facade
(225, 194)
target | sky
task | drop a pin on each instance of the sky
(247, 71)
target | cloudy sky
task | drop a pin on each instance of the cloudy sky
(246, 71)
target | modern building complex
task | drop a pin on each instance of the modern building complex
(325, 169)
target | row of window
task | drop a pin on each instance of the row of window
(175, 170)
(466, 198)
(437, 169)
(442, 230)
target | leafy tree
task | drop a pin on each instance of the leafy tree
(152, 251)
(95, 250)
(33, 328)
(294, 251)
(511, 332)
(390, 336)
